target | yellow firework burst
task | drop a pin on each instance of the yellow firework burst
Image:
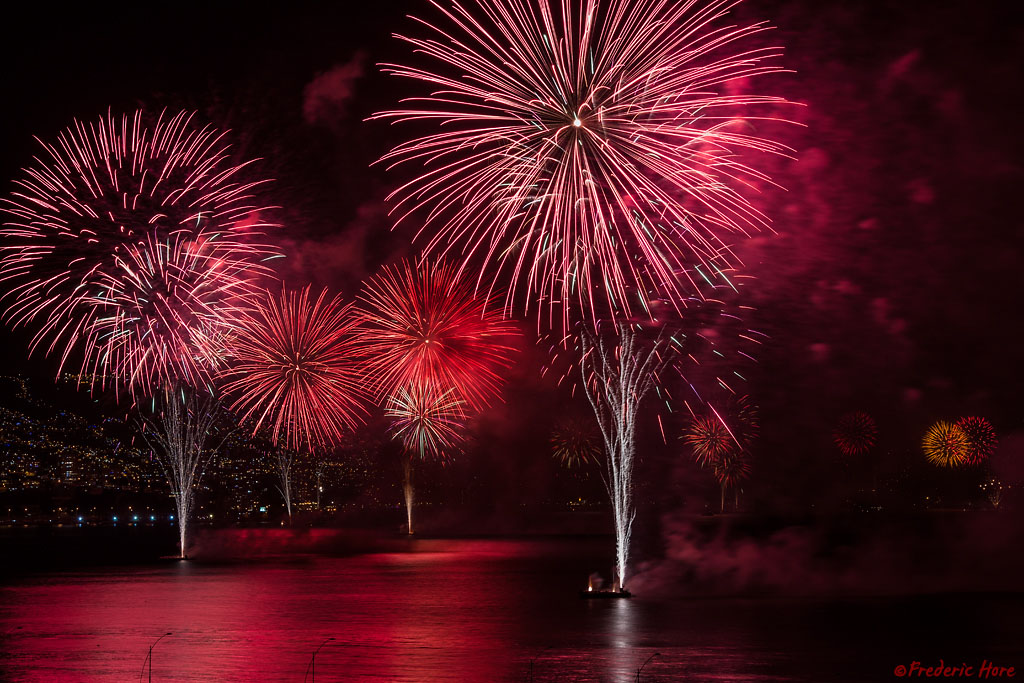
(946, 444)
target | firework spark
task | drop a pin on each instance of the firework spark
(293, 369)
(981, 439)
(423, 326)
(856, 433)
(132, 243)
(946, 444)
(592, 151)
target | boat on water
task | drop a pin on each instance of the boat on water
(591, 594)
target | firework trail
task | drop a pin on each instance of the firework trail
(423, 326)
(428, 421)
(945, 445)
(616, 378)
(856, 433)
(293, 369)
(132, 243)
(590, 150)
(981, 439)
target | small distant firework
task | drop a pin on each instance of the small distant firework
(423, 325)
(590, 150)
(709, 439)
(856, 433)
(732, 468)
(293, 369)
(576, 443)
(981, 439)
(946, 445)
(131, 242)
(731, 428)
(427, 420)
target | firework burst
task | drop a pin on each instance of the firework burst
(293, 369)
(575, 443)
(592, 151)
(428, 421)
(856, 433)
(946, 444)
(981, 439)
(709, 438)
(132, 243)
(423, 326)
(732, 468)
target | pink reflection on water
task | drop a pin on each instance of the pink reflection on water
(394, 616)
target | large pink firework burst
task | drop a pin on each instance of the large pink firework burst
(423, 325)
(981, 439)
(591, 150)
(164, 311)
(293, 369)
(427, 420)
(131, 242)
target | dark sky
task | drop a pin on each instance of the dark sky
(892, 286)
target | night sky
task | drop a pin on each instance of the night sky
(892, 285)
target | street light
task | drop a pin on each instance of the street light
(312, 662)
(656, 654)
(149, 658)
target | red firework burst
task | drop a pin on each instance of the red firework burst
(132, 243)
(981, 439)
(293, 369)
(591, 150)
(856, 433)
(427, 420)
(423, 326)
(732, 468)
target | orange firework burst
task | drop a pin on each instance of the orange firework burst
(981, 438)
(946, 444)
(709, 439)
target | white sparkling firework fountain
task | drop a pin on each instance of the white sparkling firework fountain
(285, 458)
(616, 378)
(178, 433)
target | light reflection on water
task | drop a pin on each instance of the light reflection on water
(461, 611)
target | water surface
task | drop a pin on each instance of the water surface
(466, 610)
